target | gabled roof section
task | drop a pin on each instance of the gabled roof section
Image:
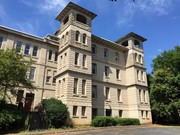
(72, 5)
(108, 43)
(131, 34)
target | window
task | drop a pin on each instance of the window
(1, 41)
(94, 91)
(142, 114)
(84, 38)
(94, 51)
(83, 87)
(140, 96)
(66, 20)
(120, 113)
(119, 94)
(61, 61)
(75, 85)
(59, 87)
(136, 57)
(54, 79)
(76, 58)
(116, 56)
(48, 76)
(138, 75)
(50, 55)
(84, 61)
(32, 73)
(106, 70)
(144, 96)
(77, 35)
(18, 46)
(65, 54)
(106, 53)
(63, 85)
(62, 40)
(56, 56)
(139, 58)
(94, 112)
(117, 74)
(107, 93)
(83, 113)
(137, 43)
(94, 68)
(81, 18)
(108, 112)
(74, 110)
(35, 50)
(27, 47)
(147, 115)
(142, 75)
(66, 37)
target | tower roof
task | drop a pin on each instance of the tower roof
(72, 5)
(131, 34)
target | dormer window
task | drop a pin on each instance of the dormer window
(125, 43)
(77, 35)
(81, 18)
(137, 43)
(66, 20)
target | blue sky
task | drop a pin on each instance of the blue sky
(156, 20)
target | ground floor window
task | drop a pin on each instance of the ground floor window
(74, 110)
(83, 113)
(120, 113)
(108, 112)
(94, 112)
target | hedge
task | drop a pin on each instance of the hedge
(127, 121)
(103, 121)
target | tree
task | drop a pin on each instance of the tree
(13, 73)
(165, 87)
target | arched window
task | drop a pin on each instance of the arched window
(137, 43)
(77, 35)
(136, 57)
(62, 39)
(66, 37)
(139, 59)
(94, 49)
(117, 56)
(84, 38)
(66, 20)
(106, 53)
(81, 18)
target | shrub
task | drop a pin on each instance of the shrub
(10, 117)
(127, 121)
(55, 112)
(103, 121)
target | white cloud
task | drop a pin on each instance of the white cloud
(144, 7)
(160, 50)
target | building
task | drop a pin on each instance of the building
(91, 75)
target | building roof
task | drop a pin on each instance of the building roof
(108, 43)
(25, 35)
(131, 34)
(72, 5)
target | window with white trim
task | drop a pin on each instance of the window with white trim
(18, 46)
(32, 73)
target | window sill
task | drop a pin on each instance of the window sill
(84, 96)
(84, 117)
(94, 99)
(47, 83)
(75, 116)
(35, 57)
(119, 80)
(120, 102)
(77, 66)
(75, 95)
(85, 67)
(54, 84)
(108, 100)
(107, 77)
(78, 42)
(50, 61)
(94, 74)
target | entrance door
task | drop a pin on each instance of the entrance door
(29, 101)
(108, 112)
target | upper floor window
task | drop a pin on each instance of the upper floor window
(62, 39)
(136, 57)
(107, 93)
(66, 37)
(83, 87)
(94, 91)
(66, 20)
(139, 58)
(32, 73)
(1, 41)
(84, 61)
(94, 49)
(18, 46)
(48, 76)
(77, 35)
(56, 56)
(81, 18)
(76, 62)
(117, 74)
(27, 48)
(106, 53)
(35, 51)
(94, 68)
(75, 91)
(54, 79)
(136, 43)
(106, 71)
(84, 38)
(50, 55)
(117, 56)
(119, 95)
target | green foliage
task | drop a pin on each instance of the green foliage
(103, 121)
(127, 121)
(13, 73)
(165, 87)
(56, 113)
(10, 117)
